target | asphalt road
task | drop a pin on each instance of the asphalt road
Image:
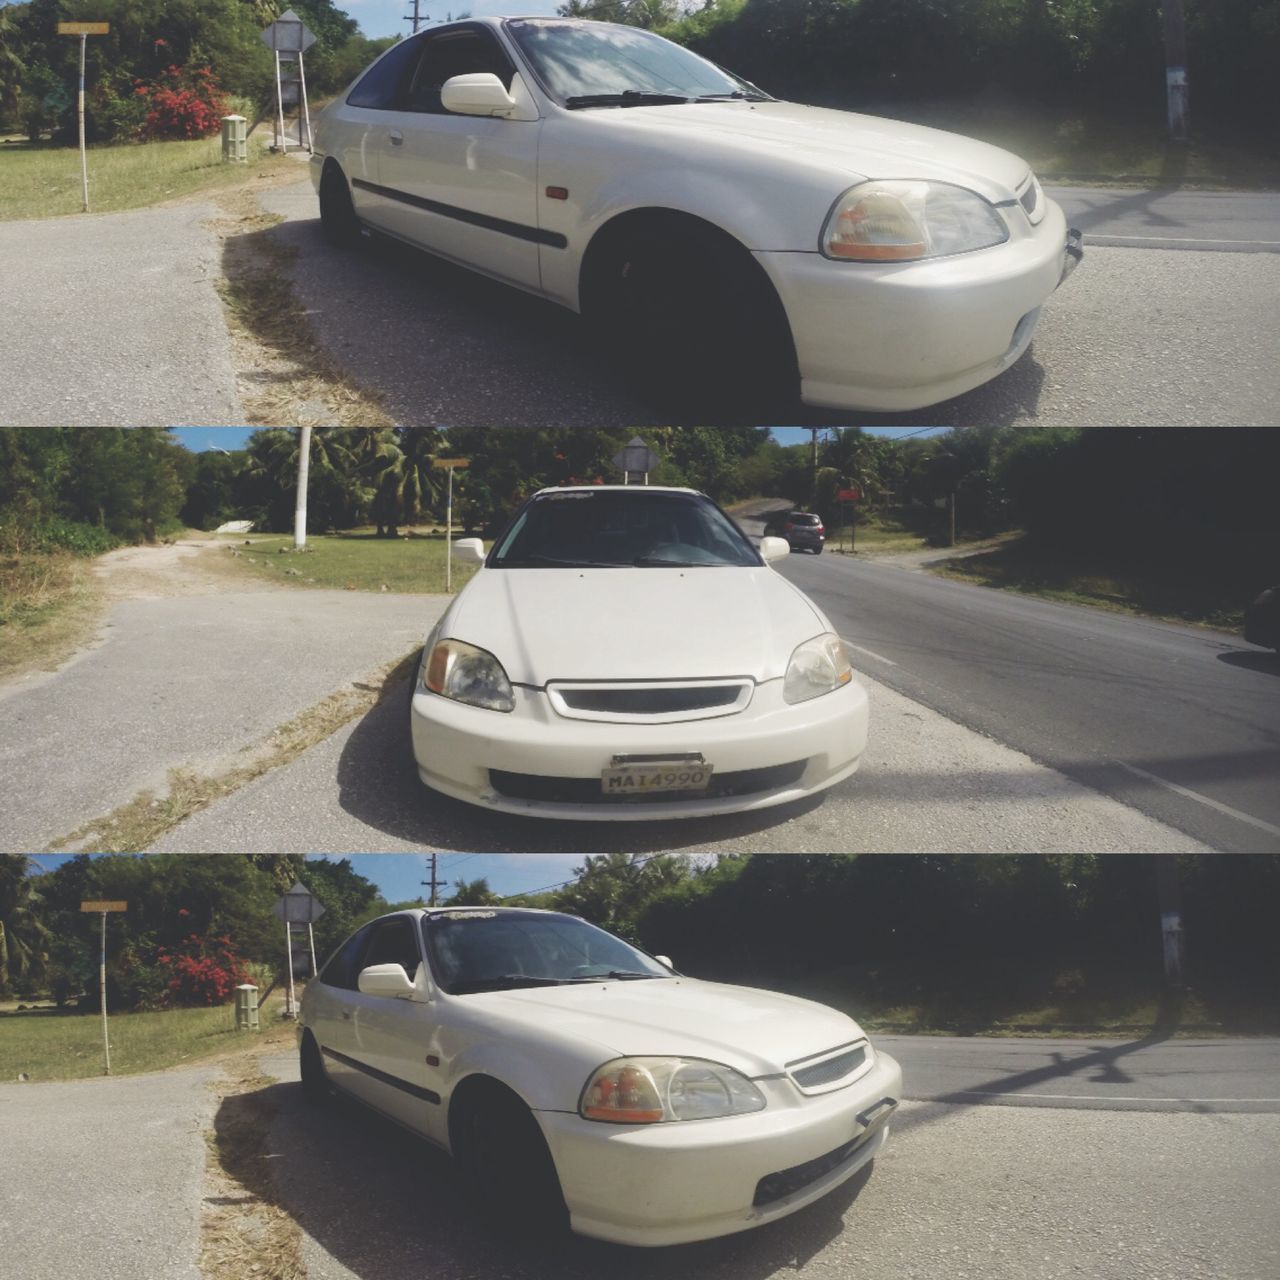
(103, 1179)
(182, 682)
(960, 1190)
(1179, 722)
(113, 320)
(1156, 335)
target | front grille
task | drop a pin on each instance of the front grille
(651, 701)
(831, 1070)
(550, 790)
(786, 1182)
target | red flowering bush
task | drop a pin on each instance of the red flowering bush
(182, 102)
(202, 970)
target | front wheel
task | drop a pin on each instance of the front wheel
(338, 219)
(315, 1082)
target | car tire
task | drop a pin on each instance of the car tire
(338, 219)
(506, 1166)
(691, 316)
(817, 551)
(315, 1080)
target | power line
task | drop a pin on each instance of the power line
(527, 893)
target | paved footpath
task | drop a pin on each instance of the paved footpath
(113, 320)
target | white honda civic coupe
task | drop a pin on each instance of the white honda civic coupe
(723, 241)
(625, 652)
(574, 1077)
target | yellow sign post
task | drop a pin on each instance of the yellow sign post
(83, 30)
(450, 465)
(103, 908)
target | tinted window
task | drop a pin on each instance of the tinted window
(577, 528)
(377, 87)
(393, 942)
(449, 54)
(345, 965)
(803, 517)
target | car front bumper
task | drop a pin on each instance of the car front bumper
(900, 336)
(550, 765)
(673, 1183)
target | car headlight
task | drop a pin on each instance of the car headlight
(465, 673)
(899, 221)
(651, 1090)
(817, 666)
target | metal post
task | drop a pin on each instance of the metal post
(951, 503)
(291, 1009)
(84, 183)
(306, 110)
(284, 137)
(1175, 59)
(300, 508)
(1170, 897)
(102, 957)
(311, 941)
(448, 550)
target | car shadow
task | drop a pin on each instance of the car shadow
(1268, 662)
(384, 1204)
(442, 344)
(378, 784)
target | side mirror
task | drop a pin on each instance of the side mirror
(481, 94)
(386, 980)
(469, 550)
(665, 960)
(774, 548)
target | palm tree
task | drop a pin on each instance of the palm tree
(24, 937)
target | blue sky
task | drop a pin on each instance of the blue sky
(198, 439)
(386, 17)
(400, 875)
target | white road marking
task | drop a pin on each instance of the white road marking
(888, 662)
(1195, 795)
(1099, 239)
(1094, 1097)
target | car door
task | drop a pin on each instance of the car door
(393, 1037)
(464, 187)
(331, 1006)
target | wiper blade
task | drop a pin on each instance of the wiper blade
(619, 975)
(627, 98)
(507, 980)
(736, 96)
(650, 562)
(525, 562)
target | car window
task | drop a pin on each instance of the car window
(393, 942)
(344, 966)
(453, 53)
(486, 951)
(575, 59)
(577, 528)
(377, 87)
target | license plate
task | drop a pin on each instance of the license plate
(657, 777)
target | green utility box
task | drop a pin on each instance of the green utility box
(235, 139)
(246, 1007)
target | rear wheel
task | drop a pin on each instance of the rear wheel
(315, 1082)
(505, 1162)
(338, 218)
(690, 315)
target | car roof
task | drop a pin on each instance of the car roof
(620, 488)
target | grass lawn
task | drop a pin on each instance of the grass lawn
(43, 181)
(1212, 594)
(68, 1046)
(358, 561)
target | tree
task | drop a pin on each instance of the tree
(24, 936)
(473, 893)
(613, 889)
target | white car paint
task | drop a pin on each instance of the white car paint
(867, 335)
(668, 626)
(652, 1184)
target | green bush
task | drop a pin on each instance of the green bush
(57, 534)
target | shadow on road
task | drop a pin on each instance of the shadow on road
(379, 785)
(1252, 660)
(385, 1205)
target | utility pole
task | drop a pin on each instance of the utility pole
(300, 510)
(416, 18)
(433, 884)
(1170, 895)
(813, 485)
(1175, 69)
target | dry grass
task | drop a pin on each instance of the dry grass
(286, 378)
(49, 604)
(137, 824)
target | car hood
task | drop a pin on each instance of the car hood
(857, 146)
(635, 624)
(756, 1032)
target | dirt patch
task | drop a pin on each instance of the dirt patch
(185, 567)
(284, 377)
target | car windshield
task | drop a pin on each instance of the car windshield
(600, 64)
(613, 528)
(474, 951)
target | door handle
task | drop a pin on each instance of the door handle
(396, 137)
